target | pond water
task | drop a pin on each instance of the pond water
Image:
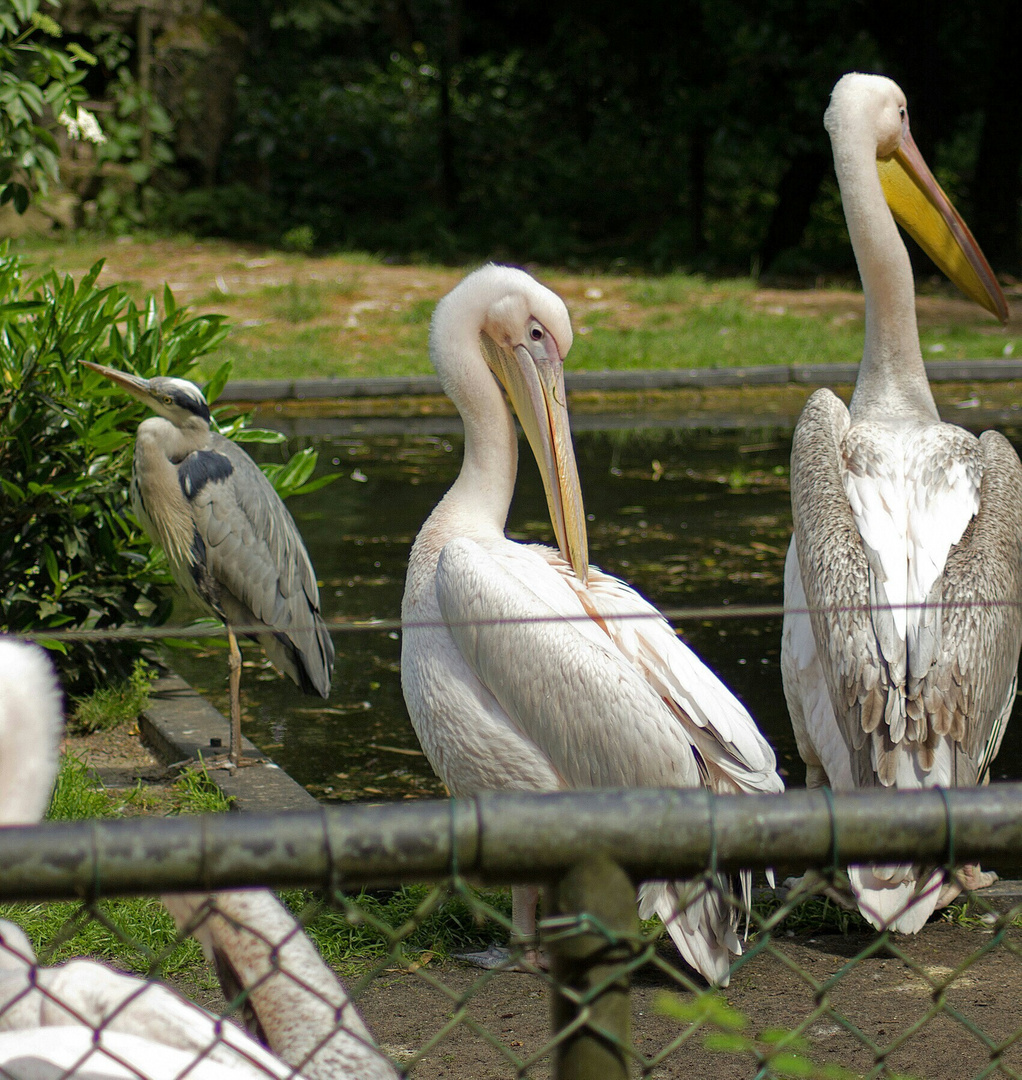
(690, 517)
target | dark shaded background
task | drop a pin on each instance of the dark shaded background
(578, 132)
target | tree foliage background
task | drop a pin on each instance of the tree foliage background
(583, 133)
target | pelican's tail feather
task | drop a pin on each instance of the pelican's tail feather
(700, 922)
(895, 898)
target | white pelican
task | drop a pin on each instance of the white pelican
(137, 1020)
(74, 1053)
(301, 1007)
(515, 672)
(31, 724)
(48, 1014)
(894, 509)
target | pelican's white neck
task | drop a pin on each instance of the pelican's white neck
(481, 496)
(892, 378)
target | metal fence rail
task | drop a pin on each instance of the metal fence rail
(873, 1004)
(511, 838)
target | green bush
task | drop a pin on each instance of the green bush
(39, 87)
(73, 558)
(72, 555)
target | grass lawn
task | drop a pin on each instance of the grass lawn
(352, 315)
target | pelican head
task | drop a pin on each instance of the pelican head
(177, 400)
(524, 333)
(873, 108)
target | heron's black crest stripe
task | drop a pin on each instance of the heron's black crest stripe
(191, 403)
(198, 469)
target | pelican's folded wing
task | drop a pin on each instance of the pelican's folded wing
(835, 575)
(970, 690)
(558, 677)
(733, 750)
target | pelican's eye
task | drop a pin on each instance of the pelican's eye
(901, 112)
(536, 333)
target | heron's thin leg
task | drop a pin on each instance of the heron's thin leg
(234, 668)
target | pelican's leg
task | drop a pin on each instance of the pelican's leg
(234, 670)
(524, 901)
(970, 877)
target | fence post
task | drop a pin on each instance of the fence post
(588, 963)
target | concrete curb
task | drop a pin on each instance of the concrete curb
(179, 725)
(767, 375)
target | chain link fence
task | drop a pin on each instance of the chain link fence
(392, 893)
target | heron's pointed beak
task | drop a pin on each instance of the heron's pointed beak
(133, 384)
(921, 208)
(534, 381)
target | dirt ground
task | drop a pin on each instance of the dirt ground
(881, 996)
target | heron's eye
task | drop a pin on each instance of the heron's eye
(167, 399)
(536, 332)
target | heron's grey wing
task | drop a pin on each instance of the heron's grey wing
(254, 551)
(970, 689)
(835, 576)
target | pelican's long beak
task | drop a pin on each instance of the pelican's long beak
(923, 210)
(133, 384)
(533, 377)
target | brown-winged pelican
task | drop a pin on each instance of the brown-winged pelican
(907, 530)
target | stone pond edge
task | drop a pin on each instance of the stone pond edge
(765, 375)
(180, 725)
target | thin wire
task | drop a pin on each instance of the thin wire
(712, 803)
(692, 614)
(949, 827)
(835, 861)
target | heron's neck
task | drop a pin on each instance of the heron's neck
(892, 378)
(157, 435)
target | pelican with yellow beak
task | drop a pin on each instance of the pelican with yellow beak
(523, 667)
(907, 530)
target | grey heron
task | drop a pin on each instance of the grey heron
(907, 530)
(231, 543)
(523, 667)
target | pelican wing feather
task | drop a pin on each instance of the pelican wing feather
(77, 1053)
(730, 745)
(611, 697)
(982, 594)
(912, 580)
(835, 576)
(579, 701)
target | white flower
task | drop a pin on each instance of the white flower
(91, 131)
(71, 124)
(82, 126)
